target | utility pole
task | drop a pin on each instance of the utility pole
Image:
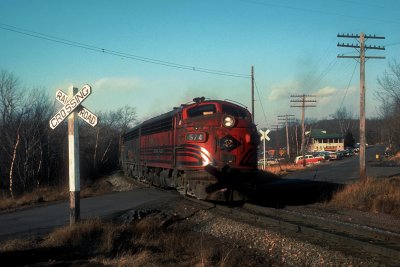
(285, 118)
(303, 100)
(275, 128)
(252, 92)
(361, 47)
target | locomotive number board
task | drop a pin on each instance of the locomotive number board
(196, 137)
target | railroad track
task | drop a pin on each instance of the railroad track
(353, 239)
(362, 241)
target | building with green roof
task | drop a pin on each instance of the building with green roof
(320, 140)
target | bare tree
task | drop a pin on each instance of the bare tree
(10, 96)
(344, 118)
(389, 95)
(102, 142)
(10, 106)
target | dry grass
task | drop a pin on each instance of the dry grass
(396, 157)
(38, 195)
(372, 195)
(146, 243)
(51, 194)
(280, 169)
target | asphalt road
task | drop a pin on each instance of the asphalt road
(43, 219)
(346, 170)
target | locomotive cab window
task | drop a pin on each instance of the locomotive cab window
(203, 110)
(234, 111)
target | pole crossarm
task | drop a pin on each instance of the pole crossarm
(358, 46)
(370, 36)
(305, 101)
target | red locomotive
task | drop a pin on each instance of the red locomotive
(206, 149)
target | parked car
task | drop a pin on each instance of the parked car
(310, 159)
(347, 152)
(335, 155)
(268, 161)
(322, 154)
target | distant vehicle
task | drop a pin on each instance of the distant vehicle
(322, 154)
(268, 161)
(388, 152)
(335, 155)
(310, 159)
(347, 152)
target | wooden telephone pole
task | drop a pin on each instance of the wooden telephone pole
(361, 47)
(275, 128)
(303, 100)
(285, 119)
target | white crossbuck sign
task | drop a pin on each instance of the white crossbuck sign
(71, 104)
(264, 135)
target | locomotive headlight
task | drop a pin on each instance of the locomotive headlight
(229, 121)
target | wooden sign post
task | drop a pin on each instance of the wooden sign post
(72, 103)
(73, 158)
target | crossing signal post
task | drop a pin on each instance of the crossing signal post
(264, 136)
(71, 106)
(361, 47)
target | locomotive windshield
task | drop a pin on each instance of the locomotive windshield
(234, 111)
(203, 110)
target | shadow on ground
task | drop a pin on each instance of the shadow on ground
(273, 191)
(45, 257)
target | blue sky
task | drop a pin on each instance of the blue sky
(291, 44)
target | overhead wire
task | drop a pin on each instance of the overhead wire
(262, 107)
(118, 53)
(348, 85)
(309, 10)
(392, 44)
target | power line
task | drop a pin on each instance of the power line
(348, 86)
(309, 10)
(262, 107)
(118, 53)
(392, 44)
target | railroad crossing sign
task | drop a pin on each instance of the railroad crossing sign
(264, 135)
(70, 104)
(83, 113)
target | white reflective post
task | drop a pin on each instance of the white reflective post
(73, 157)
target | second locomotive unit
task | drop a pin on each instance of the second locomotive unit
(206, 149)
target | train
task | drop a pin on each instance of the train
(205, 148)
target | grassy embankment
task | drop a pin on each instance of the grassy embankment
(372, 195)
(144, 243)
